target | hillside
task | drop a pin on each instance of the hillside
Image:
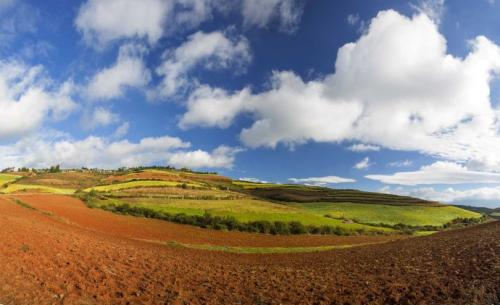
(60, 252)
(212, 201)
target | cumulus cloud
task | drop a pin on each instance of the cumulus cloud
(104, 21)
(308, 112)
(213, 51)
(221, 157)
(129, 71)
(44, 151)
(99, 117)
(363, 147)
(422, 99)
(440, 172)
(40, 151)
(483, 196)
(28, 97)
(321, 181)
(260, 13)
(363, 164)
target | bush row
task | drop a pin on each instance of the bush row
(232, 224)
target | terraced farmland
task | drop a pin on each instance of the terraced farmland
(141, 184)
(188, 197)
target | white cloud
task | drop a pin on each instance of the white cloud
(43, 151)
(121, 130)
(261, 13)
(213, 51)
(434, 9)
(103, 21)
(37, 151)
(483, 196)
(439, 104)
(363, 147)
(129, 71)
(438, 173)
(321, 181)
(16, 18)
(308, 112)
(221, 157)
(99, 117)
(403, 163)
(250, 179)
(28, 98)
(363, 164)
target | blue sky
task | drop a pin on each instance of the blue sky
(393, 96)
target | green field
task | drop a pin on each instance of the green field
(139, 184)
(211, 201)
(244, 210)
(388, 214)
(7, 178)
(12, 188)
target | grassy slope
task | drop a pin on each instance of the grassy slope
(260, 201)
(244, 210)
(6, 178)
(388, 214)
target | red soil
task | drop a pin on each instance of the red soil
(147, 176)
(44, 260)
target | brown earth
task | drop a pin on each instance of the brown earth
(73, 180)
(147, 176)
(47, 260)
(168, 176)
(176, 191)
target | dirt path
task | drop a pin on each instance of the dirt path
(46, 261)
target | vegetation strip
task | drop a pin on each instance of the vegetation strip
(231, 223)
(263, 250)
(29, 207)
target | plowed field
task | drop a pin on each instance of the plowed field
(60, 252)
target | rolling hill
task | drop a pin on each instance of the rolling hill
(212, 201)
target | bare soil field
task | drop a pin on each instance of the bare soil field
(74, 180)
(75, 255)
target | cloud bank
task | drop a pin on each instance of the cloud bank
(321, 181)
(438, 173)
(395, 87)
